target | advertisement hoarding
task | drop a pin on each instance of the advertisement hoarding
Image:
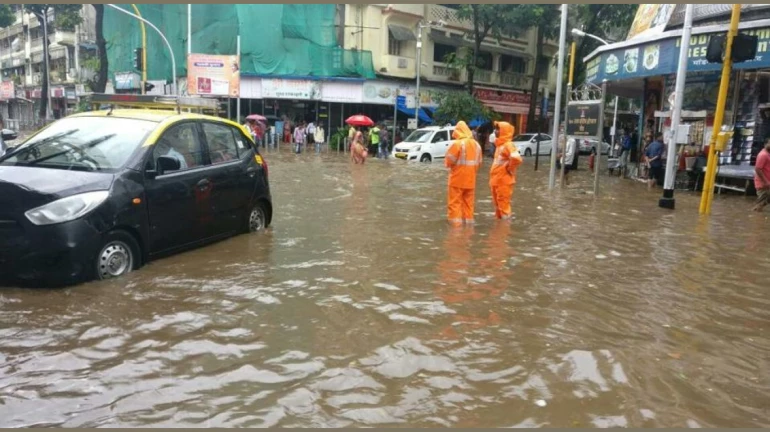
(213, 75)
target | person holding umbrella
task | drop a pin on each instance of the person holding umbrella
(357, 150)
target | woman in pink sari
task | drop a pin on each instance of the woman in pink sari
(358, 152)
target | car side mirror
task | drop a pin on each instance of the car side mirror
(163, 164)
(9, 135)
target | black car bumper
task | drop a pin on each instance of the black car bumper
(52, 255)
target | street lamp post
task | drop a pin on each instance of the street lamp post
(46, 50)
(581, 33)
(418, 65)
(162, 36)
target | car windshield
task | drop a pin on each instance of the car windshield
(82, 143)
(525, 137)
(419, 136)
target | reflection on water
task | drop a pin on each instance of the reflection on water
(361, 307)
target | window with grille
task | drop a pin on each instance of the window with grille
(513, 64)
(441, 51)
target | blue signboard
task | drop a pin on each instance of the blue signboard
(661, 57)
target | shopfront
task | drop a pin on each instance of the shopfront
(646, 69)
(512, 106)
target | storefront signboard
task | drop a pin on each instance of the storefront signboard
(291, 89)
(213, 75)
(384, 93)
(503, 101)
(660, 57)
(342, 91)
(7, 90)
(583, 119)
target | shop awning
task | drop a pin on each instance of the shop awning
(401, 33)
(424, 117)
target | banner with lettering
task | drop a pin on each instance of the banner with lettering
(660, 57)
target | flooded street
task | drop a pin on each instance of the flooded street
(361, 307)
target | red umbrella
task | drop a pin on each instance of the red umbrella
(257, 117)
(359, 120)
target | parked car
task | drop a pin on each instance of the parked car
(585, 145)
(98, 194)
(425, 145)
(527, 143)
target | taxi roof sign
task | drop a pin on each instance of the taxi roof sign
(155, 102)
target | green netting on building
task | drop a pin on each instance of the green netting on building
(276, 39)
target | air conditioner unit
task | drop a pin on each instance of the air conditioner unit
(402, 63)
(37, 78)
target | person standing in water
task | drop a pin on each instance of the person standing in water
(463, 158)
(502, 176)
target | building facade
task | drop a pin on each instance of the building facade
(22, 64)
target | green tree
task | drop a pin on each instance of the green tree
(486, 20)
(457, 105)
(544, 19)
(66, 17)
(607, 21)
(7, 17)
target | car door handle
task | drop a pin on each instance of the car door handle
(204, 184)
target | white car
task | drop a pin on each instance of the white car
(425, 144)
(527, 143)
(585, 145)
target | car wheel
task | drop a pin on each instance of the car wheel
(528, 152)
(425, 158)
(257, 218)
(118, 255)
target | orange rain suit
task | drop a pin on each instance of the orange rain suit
(502, 176)
(463, 158)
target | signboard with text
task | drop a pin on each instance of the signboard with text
(213, 75)
(649, 19)
(660, 57)
(7, 90)
(291, 89)
(583, 119)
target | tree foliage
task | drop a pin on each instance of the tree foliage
(607, 21)
(454, 106)
(544, 19)
(486, 20)
(7, 17)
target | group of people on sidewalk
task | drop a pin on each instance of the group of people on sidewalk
(374, 139)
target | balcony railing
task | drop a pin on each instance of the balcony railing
(482, 75)
(516, 80)
(448, 72)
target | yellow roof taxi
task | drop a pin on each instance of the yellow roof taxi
(97, 194)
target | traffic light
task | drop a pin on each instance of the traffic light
(138, 54)
(744, 48)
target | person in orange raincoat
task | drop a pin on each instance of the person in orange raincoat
(463, 158)
(502, 176)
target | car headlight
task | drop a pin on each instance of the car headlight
(416, 149)
(66, 209)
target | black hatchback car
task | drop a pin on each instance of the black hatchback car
(98, 194)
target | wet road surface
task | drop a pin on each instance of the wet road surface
(361, 307)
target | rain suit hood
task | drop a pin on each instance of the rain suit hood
(462, 131)
(505, 132)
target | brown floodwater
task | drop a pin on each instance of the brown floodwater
(361, 307)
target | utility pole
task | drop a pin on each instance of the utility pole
(48, 113)
(419, 69)
(571, 74)
(708, 182)
(681, 74)
(557, 102)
